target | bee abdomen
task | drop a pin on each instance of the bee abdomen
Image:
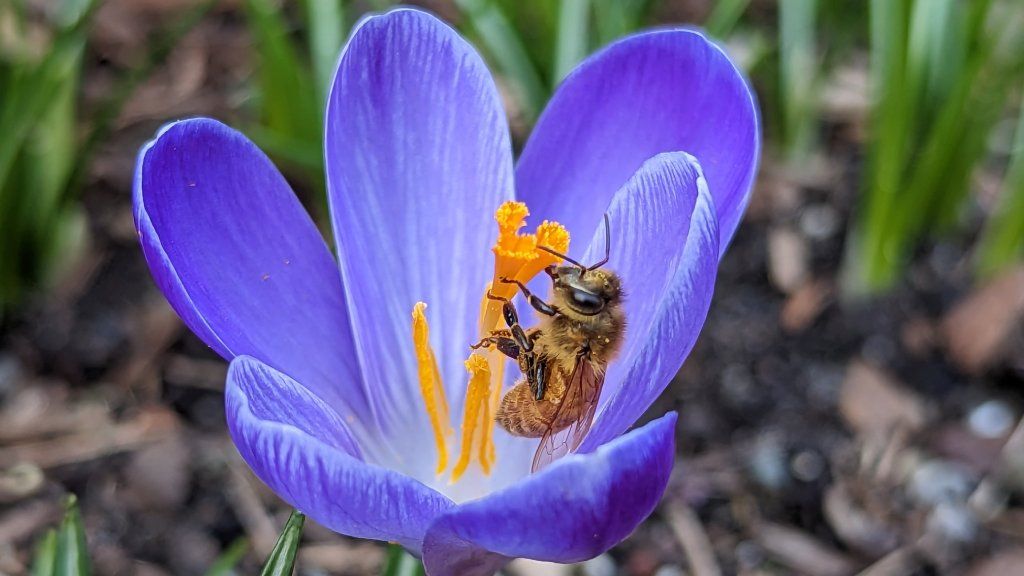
(520, 414)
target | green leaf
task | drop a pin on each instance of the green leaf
(724, 16)
(44, 561)
(1002, 241)
(72, 553)
(573, 31)
(37, 120)
(401, 563)
(326, 22)
(942, 73)
(502, 43)
(288, 101)
(281, 561)
(872, 255)
(226, 562)
(798, 71)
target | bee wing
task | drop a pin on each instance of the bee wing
(584, 390)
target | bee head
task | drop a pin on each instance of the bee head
(585, 292)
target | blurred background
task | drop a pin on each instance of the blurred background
(854, 403)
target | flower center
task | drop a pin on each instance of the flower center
(517, 257)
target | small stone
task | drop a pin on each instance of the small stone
(819, 222)
(992, 419)
(807, 465)
(938, 481)
(954, 521)
(768, 463)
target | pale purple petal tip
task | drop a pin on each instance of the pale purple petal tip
(303, 450)
(655, 92)
(240, 260)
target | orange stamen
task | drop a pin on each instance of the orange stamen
(475, 420)
(431, 387)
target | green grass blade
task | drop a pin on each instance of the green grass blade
(326, 22)
(401, 563)
(502, 43)
(611, 19)
(72, 553)
(724, 16)
(571, 39)
(38, 123)
(36, 91)
(1002, 241)
(44, 560)
(872, 250)
(226, 562)
(288, 100)
(281, 561)
(798, 73)
(616, 18)
(71, 12)
(935, 51)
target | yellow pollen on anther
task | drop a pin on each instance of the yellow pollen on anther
(476, 419)
(487, 451)
(517, 256)
(431, 388)
(550, 235)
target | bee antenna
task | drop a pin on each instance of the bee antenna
(563, 257)
(607, 245)
(607, 250)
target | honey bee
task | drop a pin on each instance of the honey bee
(564, 358)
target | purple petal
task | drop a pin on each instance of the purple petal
(663, 91)
(418, 159)
(574, 510)
(303, 450)
(240, 260)
(665, 247)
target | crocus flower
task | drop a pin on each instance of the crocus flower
(366, 418)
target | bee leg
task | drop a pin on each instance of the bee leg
(523, 343)
(508, 311)
(506, 346)
(537, 304)
(537, 383)
(483, 343)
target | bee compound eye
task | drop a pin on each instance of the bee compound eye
(586, 301)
